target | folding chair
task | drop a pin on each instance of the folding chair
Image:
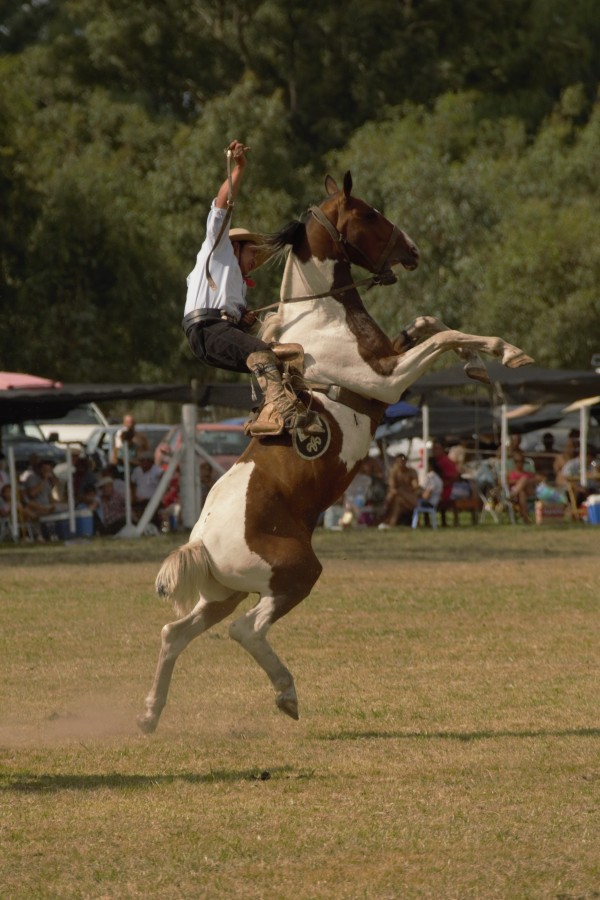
(425, 508)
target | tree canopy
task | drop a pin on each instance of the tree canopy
(475, 127)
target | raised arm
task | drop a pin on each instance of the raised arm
(238, 151)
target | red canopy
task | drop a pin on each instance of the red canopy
(12, 380)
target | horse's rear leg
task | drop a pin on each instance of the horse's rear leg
(250, 630)
(175, 636)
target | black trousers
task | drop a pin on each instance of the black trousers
(223, 345)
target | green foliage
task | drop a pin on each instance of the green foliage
(474, 127)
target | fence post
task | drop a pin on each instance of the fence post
(190, 480)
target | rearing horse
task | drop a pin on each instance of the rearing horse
(254, 533)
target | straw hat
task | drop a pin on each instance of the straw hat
(253, 237)
(242, 234)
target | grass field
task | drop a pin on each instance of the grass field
(448, 746)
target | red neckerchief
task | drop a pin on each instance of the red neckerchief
(248, 282)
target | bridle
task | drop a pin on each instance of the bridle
(382, 273)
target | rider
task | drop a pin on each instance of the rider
(217, 321)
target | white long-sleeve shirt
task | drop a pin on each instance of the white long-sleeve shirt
(230, 293)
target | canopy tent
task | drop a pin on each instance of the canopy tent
(446, 416)
(54, 400)
(527, 384)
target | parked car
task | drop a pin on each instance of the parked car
(26, 439)
(223, 441)
(99, 445)
(76, 426)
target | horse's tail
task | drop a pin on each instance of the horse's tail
(182, 576)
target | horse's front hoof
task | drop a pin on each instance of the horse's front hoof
(288, 704)
(514, 359)
(477, 373)
(147, 724)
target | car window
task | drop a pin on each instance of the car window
(86, 414)
(16, 430)
(222, 443)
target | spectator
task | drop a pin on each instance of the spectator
(332, 520)
(4, 479)
(570, 452)
(136, 441)
(458, 452)
(39, 486)
(112, 471)
(403, 492)
(111, 507)
(144, 481)
(445, 468)
(521, 485)
(374, 507)
(433, 486)
(25, 515)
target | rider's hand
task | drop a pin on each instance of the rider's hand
(238, 152)
(248, 318)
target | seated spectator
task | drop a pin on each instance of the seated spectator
(38, 489)
(25, 515)
(402, 493)
(458, 452)
(374, 508)
(446, 469)
(515, 447)
(332, 520)
(136, 441)
(145, 479)
(112, 471)
(4, 479)
(544, 462)
(570, 451)
(111, 516)
(570, 474)
(521, 485)
(432, 489)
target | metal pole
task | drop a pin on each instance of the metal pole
(190, 481)
(584, 421)
(14, 482)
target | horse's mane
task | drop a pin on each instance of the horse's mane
(273, 247)
(291, 235)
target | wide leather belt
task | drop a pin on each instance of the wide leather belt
(204, 317)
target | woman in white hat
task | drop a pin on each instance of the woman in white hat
(217, 320)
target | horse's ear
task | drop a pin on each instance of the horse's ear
(330, 186)
(347, 184)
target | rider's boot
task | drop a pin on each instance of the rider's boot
(282, 409)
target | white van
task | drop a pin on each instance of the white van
(76, 426)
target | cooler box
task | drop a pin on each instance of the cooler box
(84, 523)
(593, 509)
(549, 513)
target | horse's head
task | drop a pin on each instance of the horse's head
(363, 235)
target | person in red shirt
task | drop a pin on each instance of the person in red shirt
(445, 468)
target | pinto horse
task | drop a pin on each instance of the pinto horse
(254, 532)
